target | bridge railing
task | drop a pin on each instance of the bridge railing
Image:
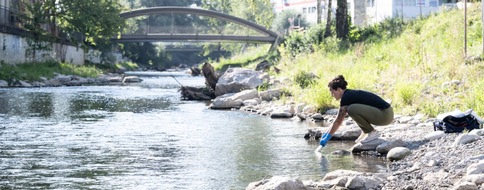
(12, 21)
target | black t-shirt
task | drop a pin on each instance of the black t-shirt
(363, 97)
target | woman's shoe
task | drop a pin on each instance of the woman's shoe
(361, 137)
(371, 136)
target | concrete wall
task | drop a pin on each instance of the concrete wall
(15, 49)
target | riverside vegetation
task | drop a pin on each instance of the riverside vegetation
(34, 71)
(418, 65)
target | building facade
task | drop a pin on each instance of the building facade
(366, 12)
(379, 10)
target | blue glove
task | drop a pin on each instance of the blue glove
(324, 139)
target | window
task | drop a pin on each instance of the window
(305, 10)
(313, 9)
(370, 3)
(411, 3)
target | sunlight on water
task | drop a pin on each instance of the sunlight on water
(143, 136)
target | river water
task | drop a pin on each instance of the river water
(143, 136)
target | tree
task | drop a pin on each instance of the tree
(96, 20)
(327, 32)
(158, 3)
(145, 54)
(319, 11)
(260, 11)
(342, 22)
(39, 39)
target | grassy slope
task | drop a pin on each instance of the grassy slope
(411, 70)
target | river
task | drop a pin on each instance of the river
(143, 136)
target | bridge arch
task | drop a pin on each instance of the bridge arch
(267, 37)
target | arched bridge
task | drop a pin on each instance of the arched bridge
(161, 24)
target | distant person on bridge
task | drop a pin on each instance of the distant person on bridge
(364, 107)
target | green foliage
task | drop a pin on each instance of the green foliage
(432, 108)
(128, 65)
(406, 93)
(249, 58)
(380, 32)
(319, 95)
(332, 45)
(407, 63)
(315, 34)
(474, 97)
(264, 86)
(39, 39)
(95, 20)
(145, 54)
(297, 43)
(257, 11)
(304, 79)
(33, 71)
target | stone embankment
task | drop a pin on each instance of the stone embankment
(71, 80)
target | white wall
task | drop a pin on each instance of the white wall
(14, 50)
(384, 9)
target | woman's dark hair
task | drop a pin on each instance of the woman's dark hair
(338, 82)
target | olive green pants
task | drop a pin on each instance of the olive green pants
(366, 116)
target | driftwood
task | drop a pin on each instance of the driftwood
(193, 93)
(211, 77)
(205, 93)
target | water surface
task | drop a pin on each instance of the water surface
(143, 136)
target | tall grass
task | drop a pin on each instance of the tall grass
(413, 69)
(249, 58)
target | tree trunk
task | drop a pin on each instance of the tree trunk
(319, 11)
(327, 33)
(342, 25)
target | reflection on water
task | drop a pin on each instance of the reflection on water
(142, 136)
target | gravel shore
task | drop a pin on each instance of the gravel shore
(434, 164)
(442, 161)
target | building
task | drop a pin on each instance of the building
(365, 12)
(378, 10)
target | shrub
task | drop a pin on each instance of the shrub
(304, 79)
(297, 43)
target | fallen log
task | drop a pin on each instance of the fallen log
(193, 93)
(204, 93)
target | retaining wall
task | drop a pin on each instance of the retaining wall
(15, 49)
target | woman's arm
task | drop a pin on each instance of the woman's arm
(339, 120)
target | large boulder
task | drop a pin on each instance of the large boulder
(237, 79)
(277, 183)
(3, 83)
(233, 100)
(398, 153)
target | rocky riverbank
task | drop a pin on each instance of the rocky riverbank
(71, 80)
(418, 158)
